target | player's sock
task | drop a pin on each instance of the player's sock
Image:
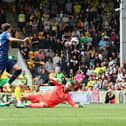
(35, 106)
(14, 76)
(17, 93)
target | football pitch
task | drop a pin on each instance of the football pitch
(64, 115)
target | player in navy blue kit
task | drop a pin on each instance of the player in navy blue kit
(5, 63)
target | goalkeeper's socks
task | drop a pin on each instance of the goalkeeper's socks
(35, 106)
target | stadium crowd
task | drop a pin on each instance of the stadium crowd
(71, 40)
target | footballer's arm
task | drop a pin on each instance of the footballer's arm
(53, 80)
(18, 40)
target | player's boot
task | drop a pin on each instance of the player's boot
(19, 105)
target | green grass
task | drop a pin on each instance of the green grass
(64, 115)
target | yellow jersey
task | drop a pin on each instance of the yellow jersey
(4, 75)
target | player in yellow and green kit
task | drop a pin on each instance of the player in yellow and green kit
(3, 80)
(17, 92)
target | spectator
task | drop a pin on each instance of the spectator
(56, 59)
(21, 19)
(24, 48)
(79, 76)
(60, 75)
(35, 42)
(49, 65)
(110, 97)
(68, 6)
(42, 78)
(102, 43)
(39, 55)
(2, 16)
(120, 76)
(98, 36)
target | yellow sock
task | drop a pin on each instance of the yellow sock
(17, 93)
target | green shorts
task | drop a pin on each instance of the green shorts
(3, 81)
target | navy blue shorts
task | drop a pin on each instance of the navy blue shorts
(7, 66)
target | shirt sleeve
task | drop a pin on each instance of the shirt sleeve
(70, 101)
(55, 82)
(7, 35)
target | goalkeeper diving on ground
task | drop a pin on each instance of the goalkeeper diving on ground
(51, 98)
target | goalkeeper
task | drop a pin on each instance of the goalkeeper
(58, 94)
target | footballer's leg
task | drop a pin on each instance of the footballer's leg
(16, 73)
(6, 104)
(6, 86)
(38, 105)
(4, 79)
(36, 101)
(18, 93)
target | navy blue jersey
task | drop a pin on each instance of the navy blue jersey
(4, 47)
